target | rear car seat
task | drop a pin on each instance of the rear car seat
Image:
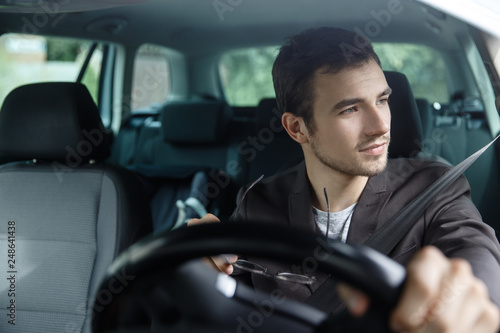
(188, 142)
(462, 129)
(124, 148)
(186, 134)
(72, 214)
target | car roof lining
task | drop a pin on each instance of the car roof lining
(60, 6)
(192, 27)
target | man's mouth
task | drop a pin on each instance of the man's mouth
(374, 149)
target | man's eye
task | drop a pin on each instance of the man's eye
(350, 110)
(383, 101)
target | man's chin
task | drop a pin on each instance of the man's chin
(375, 167)
(364, 166)
(365, 170)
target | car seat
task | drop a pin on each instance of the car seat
(71, 214)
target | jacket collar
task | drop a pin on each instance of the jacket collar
(366, 217)
(299, 201)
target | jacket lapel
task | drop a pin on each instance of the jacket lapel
(367, 215)
(299, 202)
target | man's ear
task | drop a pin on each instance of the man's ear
(295, 127)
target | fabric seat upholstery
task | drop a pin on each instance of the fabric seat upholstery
(189, 139)
(406, 124)
(275, 149)
(73, 214)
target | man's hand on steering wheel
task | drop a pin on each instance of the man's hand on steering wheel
(222, 262)
(440, 295)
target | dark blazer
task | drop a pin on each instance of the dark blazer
(452, 223)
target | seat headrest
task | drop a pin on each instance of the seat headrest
(406, 126)
(191, 122)
(426, 115)
(53, 121)
(268, 115)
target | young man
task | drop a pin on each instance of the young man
(334, 98)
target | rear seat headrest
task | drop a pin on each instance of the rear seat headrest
(406, 126)
(53, 121)
(191, 122)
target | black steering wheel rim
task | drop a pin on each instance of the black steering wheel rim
(380, 277)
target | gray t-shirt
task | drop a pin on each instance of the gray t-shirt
(339, 222)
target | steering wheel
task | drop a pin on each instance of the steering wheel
(158, 278)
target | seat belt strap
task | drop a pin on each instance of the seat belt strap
(389, 235)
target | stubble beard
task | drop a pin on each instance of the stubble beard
(369, 166)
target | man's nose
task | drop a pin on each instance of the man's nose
(378, 120)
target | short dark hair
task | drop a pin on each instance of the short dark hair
(303, 54)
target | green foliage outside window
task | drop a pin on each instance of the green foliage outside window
(28, 59)
(59, 49)
(246, 74)
(423, 66)
(67, 50)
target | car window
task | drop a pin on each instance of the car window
(151, 78)
(28, 59)
(246, 74)
(493, 47)
(423, 66)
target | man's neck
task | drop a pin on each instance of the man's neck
(343, 190)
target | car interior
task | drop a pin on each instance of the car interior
(90, 213)
(123, 119)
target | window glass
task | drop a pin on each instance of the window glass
(493, 47)
(93, 73)
(28, 59)
(423, 66)
(246, 74)
(151, 80)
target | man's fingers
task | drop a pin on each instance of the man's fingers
(421, 290)
(220, 263)
(223, 262)
(463, 304)
(454, 308)
(356, 301)
(489, 318)
(443, 295)
(209, 218)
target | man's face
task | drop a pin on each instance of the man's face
(351, 120)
